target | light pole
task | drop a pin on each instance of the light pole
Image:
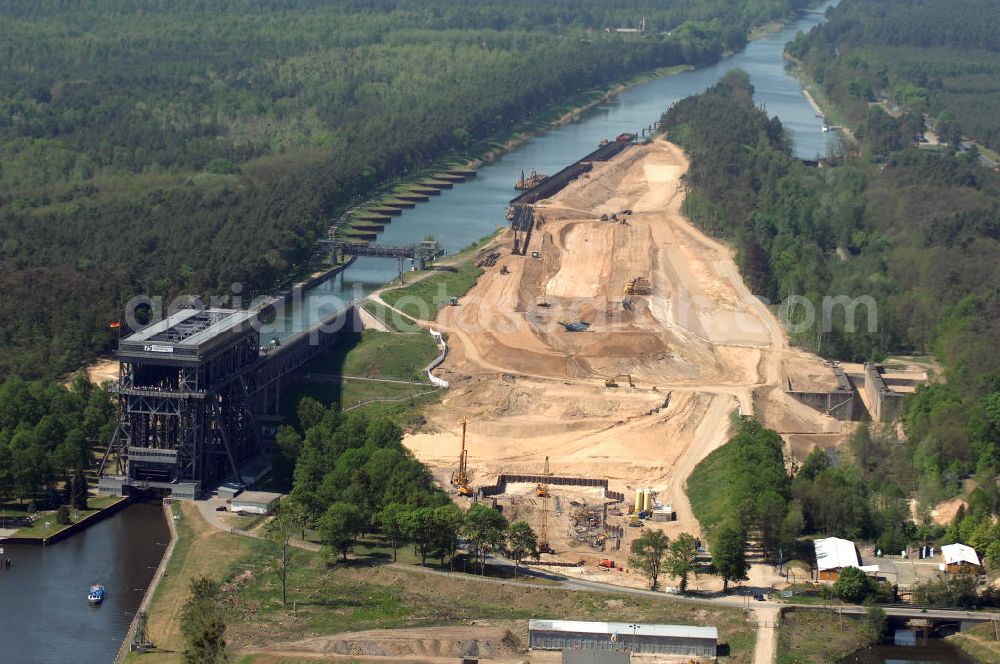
(634, 627)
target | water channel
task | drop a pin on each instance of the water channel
(44, 614)
(475, 209)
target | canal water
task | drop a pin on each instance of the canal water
(475, 209)
(44, 613)
(928, 651)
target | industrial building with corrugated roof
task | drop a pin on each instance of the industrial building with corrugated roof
(687, 640)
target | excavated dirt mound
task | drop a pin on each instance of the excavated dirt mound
(683, 357)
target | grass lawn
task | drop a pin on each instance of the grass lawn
(816, 636)
(978, 643)
(40, 530)
(368, 594)
(395, 321)
(706, 487)
(422, 299)
(339, 598)
(200, 550)
(371, 354)
(374, 354)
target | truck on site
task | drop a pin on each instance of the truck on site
(606, 563)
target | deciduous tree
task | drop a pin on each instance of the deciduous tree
(521, 543)
(729, 556)
(648, 554)
(681, 558)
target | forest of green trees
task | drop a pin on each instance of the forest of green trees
(181, 146)
(48, 432)
(915, 230)
(350, 474)
(928, 57)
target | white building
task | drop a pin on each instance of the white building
(834, 554)
(255, 502)
(959, 558)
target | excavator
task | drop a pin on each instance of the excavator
(460, 479)
(612, 381)
(638, 286)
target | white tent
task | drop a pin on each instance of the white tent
(835, 553)
(956, 554)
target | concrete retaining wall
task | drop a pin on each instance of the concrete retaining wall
(502, 481)
(440, 382)
(885, 404)
(840, 403)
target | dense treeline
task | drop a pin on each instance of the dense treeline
(929, 57)
(47, 435)
(182, 146)
(915, 232)
(351, 475)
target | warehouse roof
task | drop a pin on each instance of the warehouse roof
(959, 553)
(263, 497)
(625, 629)
(834, 553)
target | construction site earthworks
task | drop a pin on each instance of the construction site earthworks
(613, 351)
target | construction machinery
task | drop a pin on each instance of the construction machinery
(460, 479)
(638, 286)
(612, 381)
(542, 490)
(532, 180)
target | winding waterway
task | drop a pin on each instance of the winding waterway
(44, 616)
(473, 210)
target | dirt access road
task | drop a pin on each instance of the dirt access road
(698, 348)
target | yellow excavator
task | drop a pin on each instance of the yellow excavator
(542, 490)
(612, 381)
(460, 479)
(638, 286)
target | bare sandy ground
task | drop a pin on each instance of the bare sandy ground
(699, 348)
(100, 371)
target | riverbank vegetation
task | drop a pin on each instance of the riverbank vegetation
(141, 156)
(48, 433)
(807, 636)
(913, 236)
(931, 57)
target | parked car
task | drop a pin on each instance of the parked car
(220, 508)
